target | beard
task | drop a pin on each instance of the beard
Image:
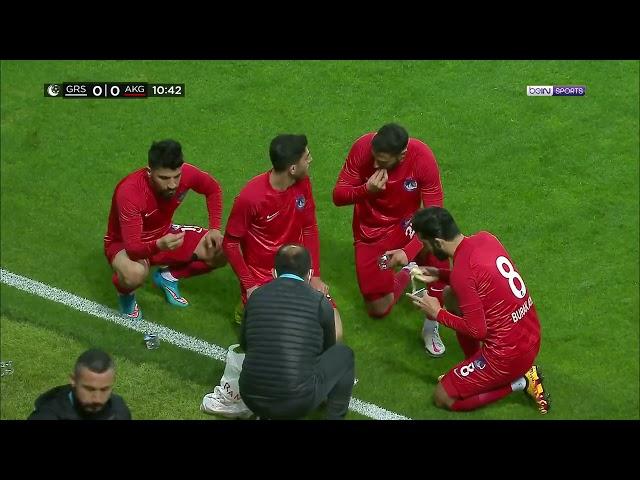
(89, 409)
(437, 251)
(440, 254)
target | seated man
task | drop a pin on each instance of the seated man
(292, 361)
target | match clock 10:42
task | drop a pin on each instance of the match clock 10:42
(166, 90)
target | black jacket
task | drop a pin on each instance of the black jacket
(58, 404)
(287, 326)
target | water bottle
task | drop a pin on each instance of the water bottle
(152, 341)
(6, 368)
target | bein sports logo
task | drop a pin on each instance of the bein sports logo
(556, 90)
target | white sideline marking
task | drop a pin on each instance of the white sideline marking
(166, 334)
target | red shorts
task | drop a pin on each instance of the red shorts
(375, 283)
(477, 374)
(184, 254)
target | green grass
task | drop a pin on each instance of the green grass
(556, 179)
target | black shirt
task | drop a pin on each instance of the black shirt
(59, 404)
(287, 326)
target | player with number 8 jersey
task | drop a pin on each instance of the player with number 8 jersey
(487, 301)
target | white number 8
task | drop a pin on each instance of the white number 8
(511, 274)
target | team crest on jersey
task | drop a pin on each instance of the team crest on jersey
(182, 195)
(410, 184)
(300, 202)
(480, 363)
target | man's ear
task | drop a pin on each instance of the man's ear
(292, 170)
(72, 380)
(149, 171)
(274, 273)
(310, 274)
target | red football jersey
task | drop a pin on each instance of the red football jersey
(139, 216)
(495, 303)
(262, 220)
(416, 179)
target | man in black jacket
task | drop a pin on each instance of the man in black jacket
(292, 361)
(89, 395)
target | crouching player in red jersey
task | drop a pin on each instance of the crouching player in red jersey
(386, 176)
(273, 209)
(487, 301)
(141, 233)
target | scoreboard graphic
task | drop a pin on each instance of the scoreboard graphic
(113, 90)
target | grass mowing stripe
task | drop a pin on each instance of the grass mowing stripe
(167, 334)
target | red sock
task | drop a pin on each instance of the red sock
(191, 269)
(481, 399)
(119, 288)
(468, 344)
(400, 282)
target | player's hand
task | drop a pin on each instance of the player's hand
(170, 241)
(427, 275)
(428, 304)
(250, 291)
(378, 181)
(213, 239)
(319, 285)
(396, 257)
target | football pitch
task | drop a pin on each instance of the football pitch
(554, 178)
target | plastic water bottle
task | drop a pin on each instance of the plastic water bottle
(152, 341)
(6, 368)
(383, 262)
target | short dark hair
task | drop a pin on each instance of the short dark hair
(435, 222)
(95, 360)
(286, 149)
(293, 258)
(165, 154)
(391, 138)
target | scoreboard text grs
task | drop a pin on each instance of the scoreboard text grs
(104, 90)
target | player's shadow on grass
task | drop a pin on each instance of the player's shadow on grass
(97, 274)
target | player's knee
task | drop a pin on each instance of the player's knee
(379, 311)
(133, 277)
(379, 307)
(440, 397)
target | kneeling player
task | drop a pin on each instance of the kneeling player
(487, 302)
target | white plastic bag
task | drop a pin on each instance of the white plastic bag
(225, 400)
